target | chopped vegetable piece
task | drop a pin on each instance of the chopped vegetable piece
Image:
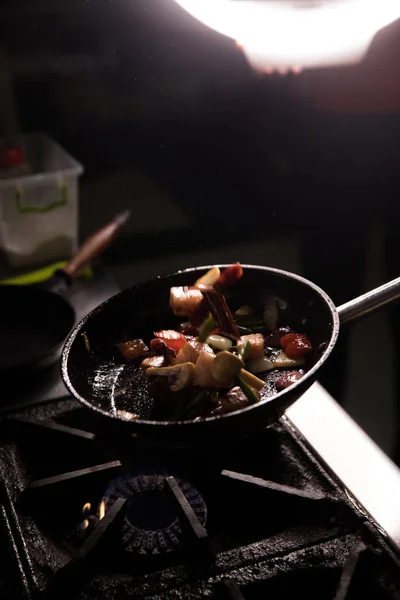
(260, 365)
(256, 349)
(296, 345)
(244, 349)
(250, 394)
(225, 367)
(219, 342)
(127, 416)
(153, 361)
(184, 300)
(209, 366)
(218, 307)
(244, 311)
(203, 372)
(251, 380)
(282, 360)
(229, 276)
(86, 341)
(207, 327)
(288, 379)
(179, 376)
(173, 339)
(235, 399)
(210, 277)
(271, 314)
(190, 352)
(133, 349)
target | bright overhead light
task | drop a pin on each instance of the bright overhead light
(284, 34)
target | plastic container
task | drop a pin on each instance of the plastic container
(39, 205)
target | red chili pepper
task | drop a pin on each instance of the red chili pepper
(228, 277)
(172, 339)
(295, 345)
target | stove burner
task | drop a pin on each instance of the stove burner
(151, 525)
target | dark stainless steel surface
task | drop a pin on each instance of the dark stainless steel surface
(370, 302)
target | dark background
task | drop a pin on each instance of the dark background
(220, 163)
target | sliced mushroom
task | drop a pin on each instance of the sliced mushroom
(179, 376)
(254, 382)
(225, 367)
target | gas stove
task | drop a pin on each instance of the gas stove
(309, 505)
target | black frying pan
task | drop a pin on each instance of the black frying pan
(35, 320)
(107, 387)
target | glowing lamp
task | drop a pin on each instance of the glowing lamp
(287, 34)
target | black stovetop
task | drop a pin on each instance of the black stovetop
(258, 518)
(252, 519)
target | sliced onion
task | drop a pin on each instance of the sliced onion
(281, 360)
(210, 277)
(219, 342)
(260, 365)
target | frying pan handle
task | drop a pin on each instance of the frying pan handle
(96, 244)
(370, 302)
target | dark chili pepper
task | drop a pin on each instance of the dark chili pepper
(206, 329)
(228, 277)
(288, 379)
(197, 317)
(218, 307)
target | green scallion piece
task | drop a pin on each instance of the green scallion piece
(207, 327)
(251, 395)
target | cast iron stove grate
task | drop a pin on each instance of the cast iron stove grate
(86, 515)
